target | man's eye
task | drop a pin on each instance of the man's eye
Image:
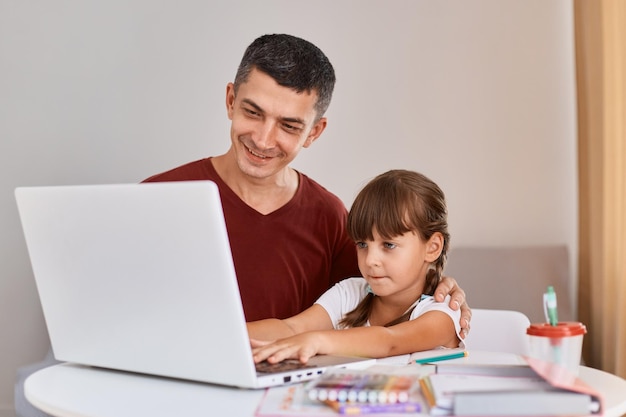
(250, 112)
(291, 128)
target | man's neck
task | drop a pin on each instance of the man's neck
(265, 195)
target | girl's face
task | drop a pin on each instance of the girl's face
(398, 265)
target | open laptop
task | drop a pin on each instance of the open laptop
(140, 278)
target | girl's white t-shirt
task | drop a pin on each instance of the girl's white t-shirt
(344, 296)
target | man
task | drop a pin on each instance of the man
(287, 233)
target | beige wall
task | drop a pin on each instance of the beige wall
(477, 94)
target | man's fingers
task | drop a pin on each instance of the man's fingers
(466, 316)
(466, 313)
(445, 286)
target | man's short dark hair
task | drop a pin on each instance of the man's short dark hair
(292, 62)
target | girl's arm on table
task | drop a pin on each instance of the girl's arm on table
(313, 318)
(428, 331)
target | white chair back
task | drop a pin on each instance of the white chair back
(498, 331)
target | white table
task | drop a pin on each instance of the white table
(68, 390)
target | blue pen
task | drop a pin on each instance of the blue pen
(441, 358)
(549, 306)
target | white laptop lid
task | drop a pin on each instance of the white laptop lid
(139, 277)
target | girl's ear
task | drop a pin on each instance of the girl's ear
(434, 246)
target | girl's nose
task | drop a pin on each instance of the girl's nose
(372, 258)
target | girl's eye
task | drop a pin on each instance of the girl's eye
(361, 245)
(389, 245)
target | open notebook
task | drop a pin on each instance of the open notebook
(140, 278)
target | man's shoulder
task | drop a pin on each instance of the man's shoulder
(201, 169)
(312, 191)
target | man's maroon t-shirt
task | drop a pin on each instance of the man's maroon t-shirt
(286, 259)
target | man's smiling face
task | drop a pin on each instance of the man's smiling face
(270, 124)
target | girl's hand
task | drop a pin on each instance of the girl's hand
(302, 347)
(255, 343)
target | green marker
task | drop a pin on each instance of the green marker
(549, 306)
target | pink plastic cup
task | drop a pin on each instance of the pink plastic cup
(561, 344)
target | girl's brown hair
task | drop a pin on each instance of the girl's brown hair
(394, 203)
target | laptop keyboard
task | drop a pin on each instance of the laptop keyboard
(286, 365)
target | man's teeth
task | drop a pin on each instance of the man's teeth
(256, 154)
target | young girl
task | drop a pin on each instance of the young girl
(399, 224)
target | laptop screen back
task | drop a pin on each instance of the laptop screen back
(138, 277)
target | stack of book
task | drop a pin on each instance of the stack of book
(462, 387)
(508, 390)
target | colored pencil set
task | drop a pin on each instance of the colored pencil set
(365, 393)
